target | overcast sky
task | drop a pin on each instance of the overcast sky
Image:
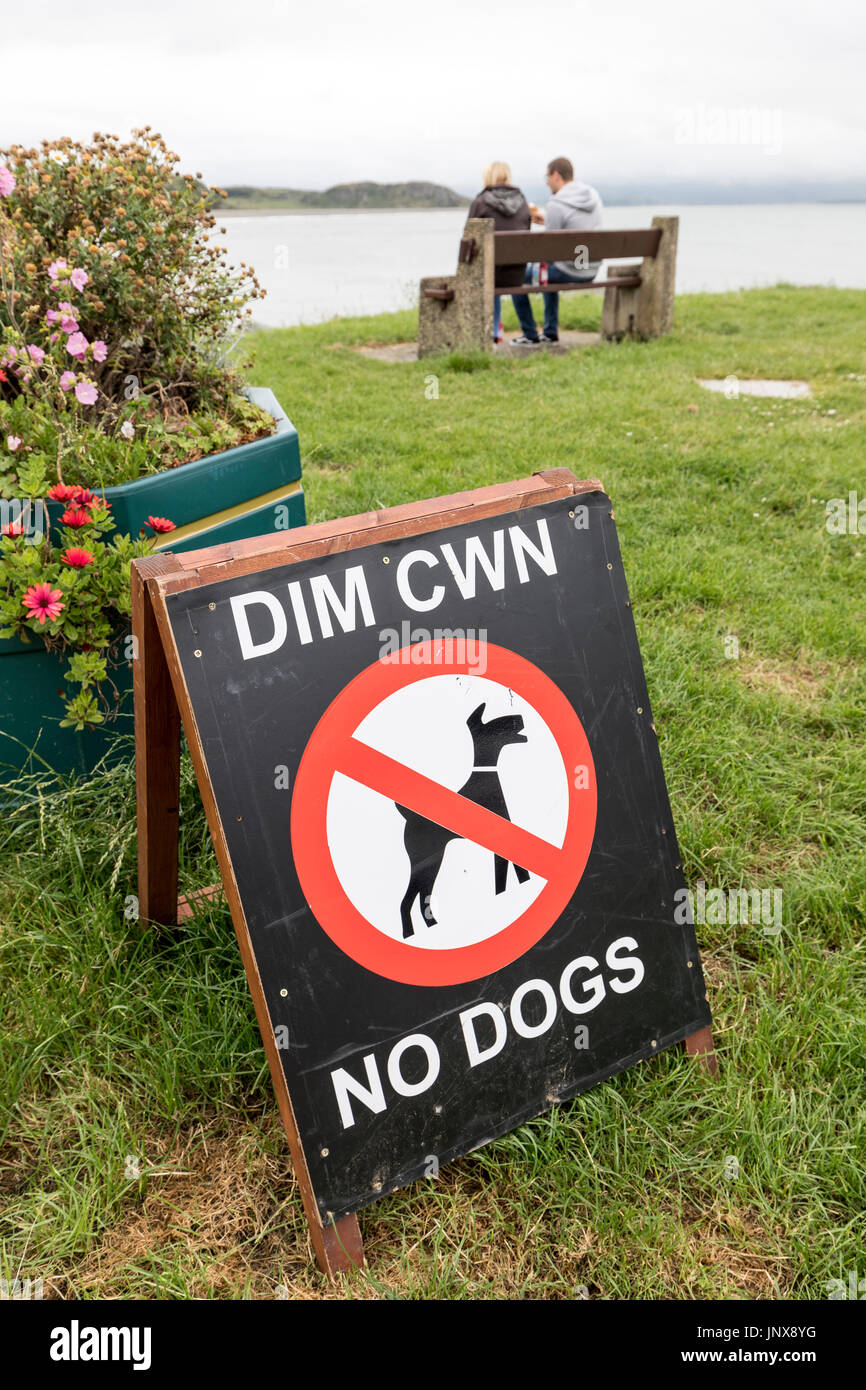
(302, 94)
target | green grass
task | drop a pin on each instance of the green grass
(119, 1041)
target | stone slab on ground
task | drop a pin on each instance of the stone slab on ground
(390, 352)
(736, 386)
(408, 352)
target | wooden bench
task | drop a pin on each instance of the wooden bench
(457, 311)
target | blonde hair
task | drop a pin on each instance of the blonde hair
(496, 173)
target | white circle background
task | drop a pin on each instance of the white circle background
(423, 725)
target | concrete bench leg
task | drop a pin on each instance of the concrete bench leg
(619, 311)
(648, 310)
(466, 321)
(437, 319)
(655, 298)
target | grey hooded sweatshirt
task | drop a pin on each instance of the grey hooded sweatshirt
(576, 207)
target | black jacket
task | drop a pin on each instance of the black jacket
(510, 212)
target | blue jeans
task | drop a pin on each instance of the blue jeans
(523, 310)
(551, 301)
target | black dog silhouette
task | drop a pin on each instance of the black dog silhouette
(426, 841)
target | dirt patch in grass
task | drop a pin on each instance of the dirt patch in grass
(389, 352)
(326, 467)
(408, 352)
(804, 682)
(771, 861)
(224, 1207)
(735, 1245)
(329, 470)
(469, 1233)
(372, 343)
(720, 969)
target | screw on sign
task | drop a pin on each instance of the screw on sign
(363, 806)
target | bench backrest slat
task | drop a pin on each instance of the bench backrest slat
(510, 248)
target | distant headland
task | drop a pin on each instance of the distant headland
(245, 198)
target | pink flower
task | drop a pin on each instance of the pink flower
(7, 181)
(9, 355)
(76, 346)
(67, 381)
(52, 317)
(36, 354)
(55, 269)
(68, 321)
(79, 278)
(100, 351)
(13, 442)
(86, 392)
(41, 602)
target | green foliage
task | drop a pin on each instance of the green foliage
(90, 457)
(33, 475)
(116, 315)
(83, 574)
(158, 291)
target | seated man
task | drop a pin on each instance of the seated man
(573, 207)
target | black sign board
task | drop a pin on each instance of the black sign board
(435, 769)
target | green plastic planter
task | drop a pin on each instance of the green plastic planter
(247, 491)
(31, 707)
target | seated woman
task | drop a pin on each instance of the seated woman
(509, 209)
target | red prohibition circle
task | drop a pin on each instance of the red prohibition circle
(321, 886)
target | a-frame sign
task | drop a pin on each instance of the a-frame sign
(425, 747)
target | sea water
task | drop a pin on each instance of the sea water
(318, 265)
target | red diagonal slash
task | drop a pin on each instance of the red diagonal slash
(458, 813)
(333, 748)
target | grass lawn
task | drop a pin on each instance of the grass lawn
(120, 1044)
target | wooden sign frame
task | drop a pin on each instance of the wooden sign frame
(162, 703)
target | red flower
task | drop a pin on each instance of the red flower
(77, 557)
(91, 500)
(12, 529)
(62, 492)
(159, 523)
(81, 496)
(74, 516)
(41, 601)
(3, 376)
